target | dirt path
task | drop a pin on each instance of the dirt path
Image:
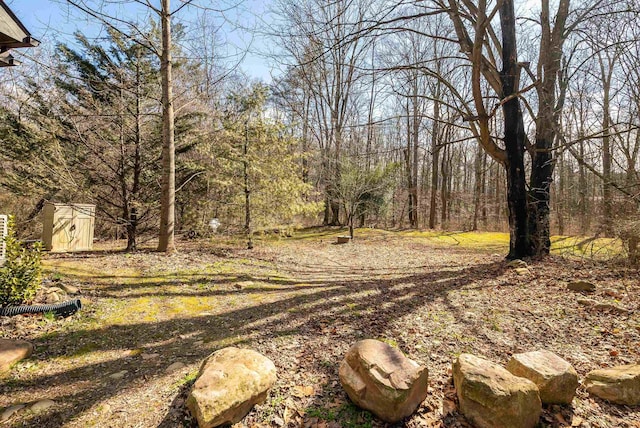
(303, 302)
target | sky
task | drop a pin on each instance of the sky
(54, 21)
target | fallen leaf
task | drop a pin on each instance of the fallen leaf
(448, 407)
(303, 391)
(576, 421)
(335, 404)
(561, 419)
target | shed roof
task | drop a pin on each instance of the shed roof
(13, 34)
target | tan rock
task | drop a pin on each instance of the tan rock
(230, 382)
(517, 263)
(178, 365)
(620, 385)
(53, 298)
(581, 286)
(379, 378)
(41, 405)
(69, 289)
(556, 379)
(10, 411)
(491, 397)
(12, 351)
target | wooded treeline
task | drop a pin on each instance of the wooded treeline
(433, 114)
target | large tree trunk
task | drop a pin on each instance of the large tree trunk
(514, 137)
(167, 211)
(542, 163)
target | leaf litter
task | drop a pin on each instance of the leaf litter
(302, 303)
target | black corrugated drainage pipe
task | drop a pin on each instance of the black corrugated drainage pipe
(63, 309)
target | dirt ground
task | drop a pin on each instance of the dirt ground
(302, 301)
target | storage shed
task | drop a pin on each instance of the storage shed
(68, 227)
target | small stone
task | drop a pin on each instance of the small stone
(581, 286)
(118, 375)
(69, 289)
(41, 405)
(178, 365)
(517, 263)
(522, 271)
(620, 385)
(51, 290)
(10, 411)
(53, 298)
(556, 379)
(149, 356)
(608, 307)
(613, 293)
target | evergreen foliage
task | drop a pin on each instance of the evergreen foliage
(20, 276)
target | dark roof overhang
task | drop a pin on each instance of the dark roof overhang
(13, 34)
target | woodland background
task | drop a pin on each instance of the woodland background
(382, 114)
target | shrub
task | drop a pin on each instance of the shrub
(20, 276)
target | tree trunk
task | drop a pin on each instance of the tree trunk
(167, 211)
(514, 137)
(247, 189)
(477, 193)
(413, 215)
(435, 152)
(542, 163)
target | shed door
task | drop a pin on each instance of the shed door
(64, 230)
(83, 238)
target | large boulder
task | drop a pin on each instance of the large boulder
(556, 379)
(230, 382)
(379, 378)
(12, 351)
(491, 397)
(620, 385)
